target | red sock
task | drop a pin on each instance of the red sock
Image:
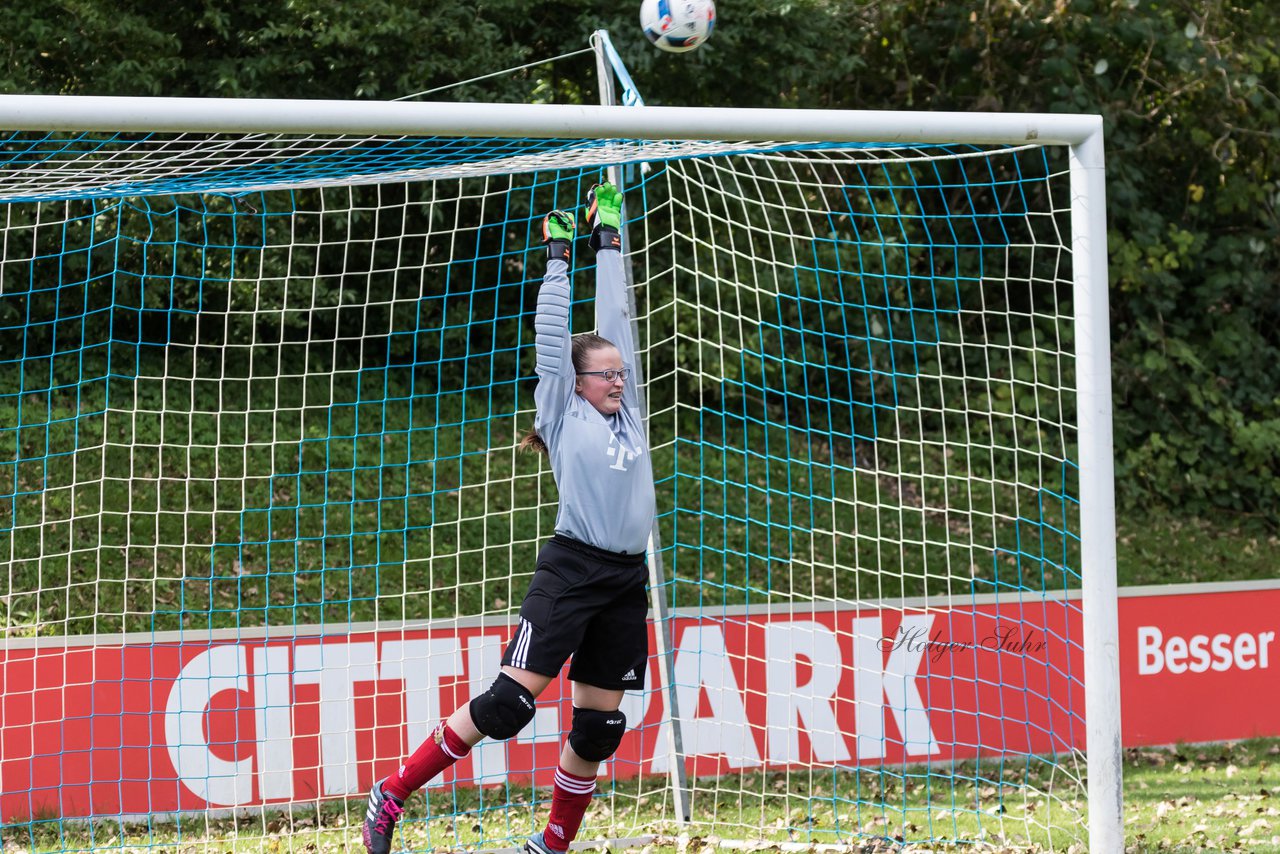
(569, 801)
(438, 752)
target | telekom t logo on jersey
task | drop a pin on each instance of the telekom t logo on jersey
(621, 455)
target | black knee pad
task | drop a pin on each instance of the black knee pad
(503, 710)
(596, 735)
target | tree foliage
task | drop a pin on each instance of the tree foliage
(1188, 91)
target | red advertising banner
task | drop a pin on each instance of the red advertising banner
(1200, 665)
(151, 724)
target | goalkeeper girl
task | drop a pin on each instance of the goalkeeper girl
(587, 598)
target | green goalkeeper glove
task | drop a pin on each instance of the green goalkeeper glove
(604, 216)
(558, 230)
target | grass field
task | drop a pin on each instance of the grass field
(373, 509)
(1208, 798)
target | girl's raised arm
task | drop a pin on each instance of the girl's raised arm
(613, 318)
(553, 343)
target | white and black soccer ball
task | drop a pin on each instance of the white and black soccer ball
(677, 25)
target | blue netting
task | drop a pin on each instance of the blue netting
(294, 410)
(53, 166)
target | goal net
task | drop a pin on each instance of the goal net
(264, 521)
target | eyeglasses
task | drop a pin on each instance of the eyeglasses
(609, 375)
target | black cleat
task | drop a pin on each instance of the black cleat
(380, 817)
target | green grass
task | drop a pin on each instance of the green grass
(384, 506)
(1159, 548)
(1208, 798)
(1223, 797)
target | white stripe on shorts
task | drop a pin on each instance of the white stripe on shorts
(520, 652)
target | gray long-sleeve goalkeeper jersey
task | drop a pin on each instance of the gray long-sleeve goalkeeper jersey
(601, 463)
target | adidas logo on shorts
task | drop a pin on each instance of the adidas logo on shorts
(630, 675)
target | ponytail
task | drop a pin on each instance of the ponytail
(532, 442)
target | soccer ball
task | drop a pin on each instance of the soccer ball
(677, 25)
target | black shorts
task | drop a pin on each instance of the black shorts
(590, 604)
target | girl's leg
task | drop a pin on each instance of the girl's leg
(588, 697)
(460, 721)
(451, 740)
(576, 776)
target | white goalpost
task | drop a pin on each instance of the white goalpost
(264, 369)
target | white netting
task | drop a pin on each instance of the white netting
(290, 417)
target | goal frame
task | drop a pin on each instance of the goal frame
(1081, 134)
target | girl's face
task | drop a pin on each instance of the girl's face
(604, 395)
